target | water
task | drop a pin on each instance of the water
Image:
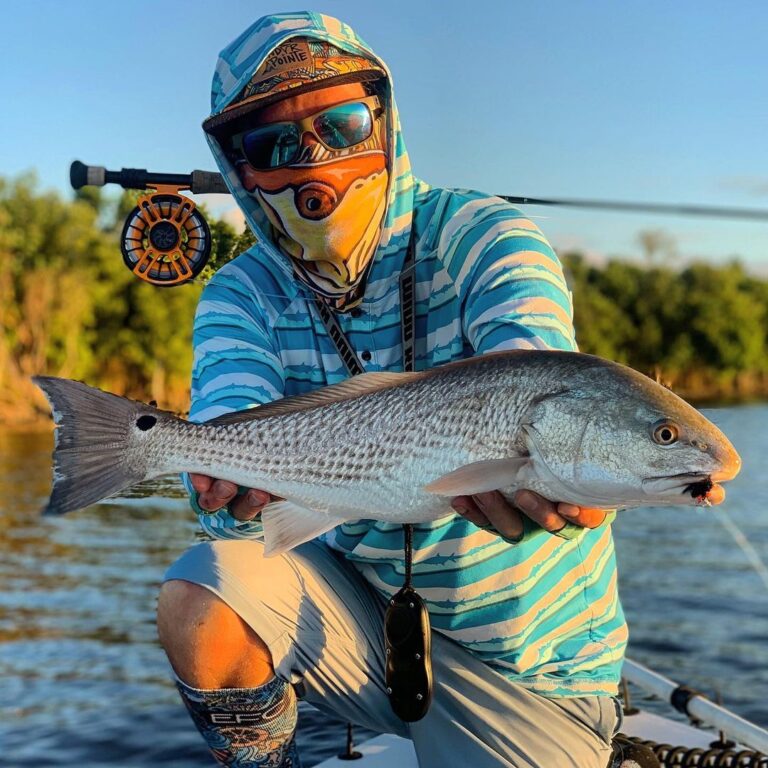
(84, 683)
(697, 608)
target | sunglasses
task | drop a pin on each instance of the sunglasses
(274, 145)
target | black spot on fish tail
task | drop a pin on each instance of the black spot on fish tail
(700, 489)
(146, 422)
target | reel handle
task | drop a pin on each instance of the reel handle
(208, 182)
(197, 182)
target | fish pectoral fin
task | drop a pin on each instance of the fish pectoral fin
(287, 524)
(480, 476)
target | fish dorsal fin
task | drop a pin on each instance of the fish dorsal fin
(357, 386)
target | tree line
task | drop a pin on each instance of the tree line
(69, 307)
(701, 329)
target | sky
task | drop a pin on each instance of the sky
(627, 100)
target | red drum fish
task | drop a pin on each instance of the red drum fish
(398, 446)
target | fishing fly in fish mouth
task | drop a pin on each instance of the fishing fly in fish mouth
(471, 398)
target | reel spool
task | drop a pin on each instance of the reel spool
(166, 241)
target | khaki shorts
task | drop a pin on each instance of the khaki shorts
(323, 625)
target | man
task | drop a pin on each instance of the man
(529, 631)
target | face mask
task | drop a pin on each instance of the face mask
(325, 204)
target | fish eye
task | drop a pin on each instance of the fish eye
(665, 433)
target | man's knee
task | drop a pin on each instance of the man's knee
(181, 608)
(207, 643)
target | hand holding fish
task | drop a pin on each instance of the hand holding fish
(483, 509)
(492, 509)
(214, 494)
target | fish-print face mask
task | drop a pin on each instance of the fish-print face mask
(322, 182)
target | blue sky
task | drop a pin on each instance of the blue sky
(664, 101)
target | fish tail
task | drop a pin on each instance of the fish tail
(96, 450)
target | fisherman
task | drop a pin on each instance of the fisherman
(529, 633)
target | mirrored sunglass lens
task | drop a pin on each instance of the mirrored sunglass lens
(271, 145)
(344, 126)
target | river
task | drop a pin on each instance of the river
(84, 683)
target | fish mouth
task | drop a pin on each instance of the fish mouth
(703, 488)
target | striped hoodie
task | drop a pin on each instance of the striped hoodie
(544, 612)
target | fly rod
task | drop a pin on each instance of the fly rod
(679, 209)
(201, 182)
(166, 240)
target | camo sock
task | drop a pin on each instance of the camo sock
(247, 727)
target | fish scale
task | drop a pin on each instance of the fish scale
(397, 447)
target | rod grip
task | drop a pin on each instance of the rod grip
(198, 182)
(81, 175)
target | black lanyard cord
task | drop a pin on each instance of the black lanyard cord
(408, 326)
(408, 531)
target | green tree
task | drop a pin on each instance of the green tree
(47, 248)
(726, 327)
(602, 326)
(69, 307)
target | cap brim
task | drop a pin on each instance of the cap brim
(231, 119)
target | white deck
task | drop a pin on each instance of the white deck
(380, 752)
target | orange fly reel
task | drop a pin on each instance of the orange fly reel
(166, 240)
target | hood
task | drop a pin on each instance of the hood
(237, 64)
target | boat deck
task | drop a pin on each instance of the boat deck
(386, 750)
